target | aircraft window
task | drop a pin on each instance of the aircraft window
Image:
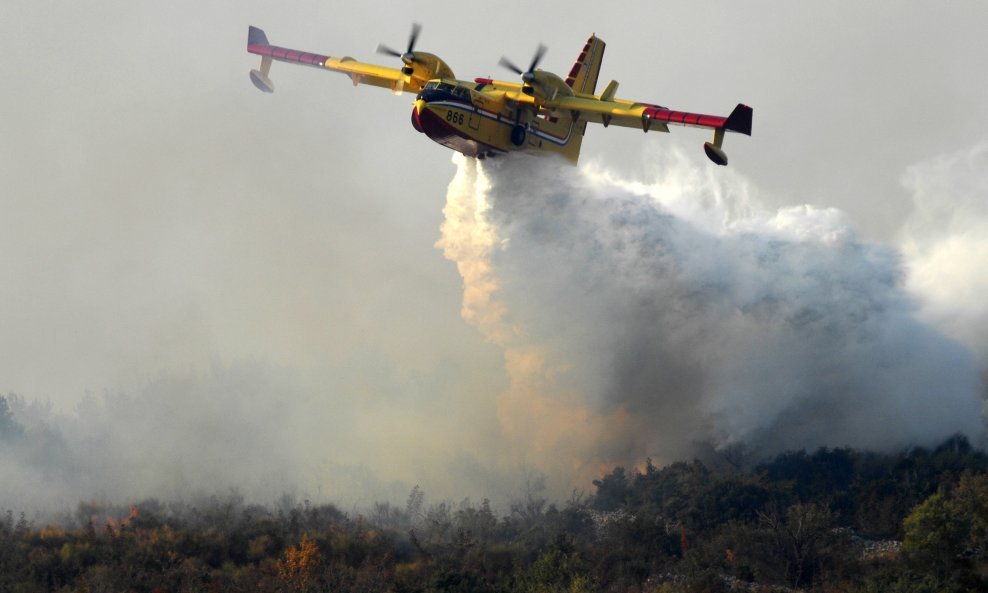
(445, 87)
(431, 85)
(479, 86)
(461, 92)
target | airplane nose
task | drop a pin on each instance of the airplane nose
(416, 122)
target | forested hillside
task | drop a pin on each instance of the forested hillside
(830, 520)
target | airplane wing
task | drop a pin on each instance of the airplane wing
(650, 117)
(609, 111)
(359, 72)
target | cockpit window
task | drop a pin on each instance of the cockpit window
(436, 89)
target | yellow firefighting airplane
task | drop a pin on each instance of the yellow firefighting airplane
(489, 117)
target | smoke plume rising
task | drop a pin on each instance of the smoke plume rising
(637, 320)
(634, 320)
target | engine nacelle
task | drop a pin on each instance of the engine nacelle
(546, 86)
(427, 67)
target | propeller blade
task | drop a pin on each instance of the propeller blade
(539, 53)
(416, 28)
(383, 49)
(510, 66)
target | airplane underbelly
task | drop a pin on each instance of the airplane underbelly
(453, 128)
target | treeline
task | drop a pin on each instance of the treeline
(833, 520)
(830, 520)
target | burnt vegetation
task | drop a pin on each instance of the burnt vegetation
(829, 520)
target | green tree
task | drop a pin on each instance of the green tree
(794, 547)
(935, 535)
(557, 570)
(946, 535)
(612, 490)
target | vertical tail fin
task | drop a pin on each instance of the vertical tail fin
(583, 77)
(256, 36)
(583, 80)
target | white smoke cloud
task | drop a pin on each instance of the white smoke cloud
(946, 242)
(637, 319)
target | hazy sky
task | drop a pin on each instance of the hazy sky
(161, 217)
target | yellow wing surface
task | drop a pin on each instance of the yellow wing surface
(608, 111)
(359, 72)
(603, 109)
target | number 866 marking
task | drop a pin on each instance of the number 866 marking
(453, 117)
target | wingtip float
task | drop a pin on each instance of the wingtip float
(485, 117)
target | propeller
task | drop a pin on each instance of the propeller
(527, 76)
(409, 56)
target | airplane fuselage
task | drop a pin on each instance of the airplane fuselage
(477, 119)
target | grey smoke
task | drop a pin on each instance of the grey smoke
(635, 319)
(249, 428)
(700, 318)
